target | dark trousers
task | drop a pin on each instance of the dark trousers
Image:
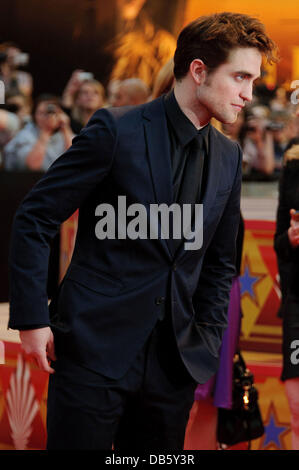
(147, 409)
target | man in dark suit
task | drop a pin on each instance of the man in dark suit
(138, 319)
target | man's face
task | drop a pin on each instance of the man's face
(224, 91)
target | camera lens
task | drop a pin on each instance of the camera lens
(51, 109)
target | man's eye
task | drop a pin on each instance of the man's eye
(240, 77)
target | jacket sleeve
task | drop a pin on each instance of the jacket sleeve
(282, 244)
(53, 200)
(212, 295)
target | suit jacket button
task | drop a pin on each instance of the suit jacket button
(174, 266)
(159, 300)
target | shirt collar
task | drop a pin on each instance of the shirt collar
(182, 126)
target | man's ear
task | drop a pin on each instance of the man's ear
(198, 71)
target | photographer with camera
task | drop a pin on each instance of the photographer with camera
(14, 114)
(9, 126)
(82, 96)
(267, 135)
(40, 142)
(20, 105)
(15, 80)
(258, 145)
(284, 126)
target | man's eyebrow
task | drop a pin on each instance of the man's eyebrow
(247, 74)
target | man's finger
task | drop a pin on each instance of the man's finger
(43, 363)
(51, 348)
(51, 355)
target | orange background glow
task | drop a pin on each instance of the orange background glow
(280, 18)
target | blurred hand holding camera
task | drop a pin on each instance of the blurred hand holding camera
(256, 130)
(52, 119)
(63, 121)
(259, 145)
(11, 58)
(73, 85)
(49, 119)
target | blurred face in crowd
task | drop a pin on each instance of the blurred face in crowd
(130, 93)
(289, 130)
(121, 96)
(47, 115)
(12, 52)
(223, 92)
(113, 89)
(89, 97)
(20, 104)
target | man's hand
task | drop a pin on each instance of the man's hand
(293, 231)
(39, 344)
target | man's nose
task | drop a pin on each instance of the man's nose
(246, 93)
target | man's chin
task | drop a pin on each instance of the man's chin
(227, 119)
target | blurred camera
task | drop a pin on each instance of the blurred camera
(274, 126)
(251, 129)
(51, 109)
(21, 59)
(85, 76)
(11, 107)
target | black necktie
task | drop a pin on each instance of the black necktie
(191, 184)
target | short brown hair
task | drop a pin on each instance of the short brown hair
(211, 38)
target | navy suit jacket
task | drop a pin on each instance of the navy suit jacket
(115, 290)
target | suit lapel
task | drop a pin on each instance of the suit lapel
(158, 148)
(214, 167)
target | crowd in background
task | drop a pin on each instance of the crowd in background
(35, 131)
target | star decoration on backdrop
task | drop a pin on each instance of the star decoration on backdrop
(249, 281)
(274, 430)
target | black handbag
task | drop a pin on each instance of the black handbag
(243, 422)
